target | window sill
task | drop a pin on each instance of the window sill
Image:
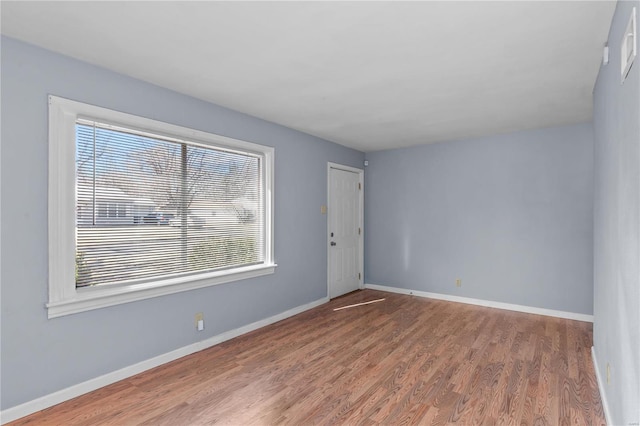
(90, 298)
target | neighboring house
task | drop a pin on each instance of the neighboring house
(241, 210)
(112, 207)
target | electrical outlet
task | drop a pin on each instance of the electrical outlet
(458, 282)
(608, 373)
(199, 317)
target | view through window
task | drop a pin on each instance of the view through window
(150, 206)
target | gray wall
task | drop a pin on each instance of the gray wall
(40, 356)
(510, 215)
(617, 228)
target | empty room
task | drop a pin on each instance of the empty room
(338, 213)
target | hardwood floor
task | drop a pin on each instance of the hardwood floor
(406, 360)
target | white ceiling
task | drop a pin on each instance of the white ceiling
(369, 75)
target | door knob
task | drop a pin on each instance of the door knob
(333, 243)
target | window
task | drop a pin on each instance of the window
(628, 47)
(140, 208)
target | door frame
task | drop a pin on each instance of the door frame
(360, 173)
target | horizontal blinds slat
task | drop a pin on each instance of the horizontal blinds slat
(137, 132)
(132, 193)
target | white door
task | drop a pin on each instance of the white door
(345, 230)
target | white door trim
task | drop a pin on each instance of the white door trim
(360, 173)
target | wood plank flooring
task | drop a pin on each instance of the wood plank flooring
(404, 361)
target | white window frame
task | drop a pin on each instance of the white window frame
(64, 297)
(628, 47)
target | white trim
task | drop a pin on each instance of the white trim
(487, 303)
(360, 173)
(64, 297)
(331, 165)
(86, 299)
(603, 395)
(66, 394)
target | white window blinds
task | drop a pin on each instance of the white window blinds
(151, 206)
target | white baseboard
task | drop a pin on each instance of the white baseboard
(603, 395)
(62, 395)
(488, 303)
